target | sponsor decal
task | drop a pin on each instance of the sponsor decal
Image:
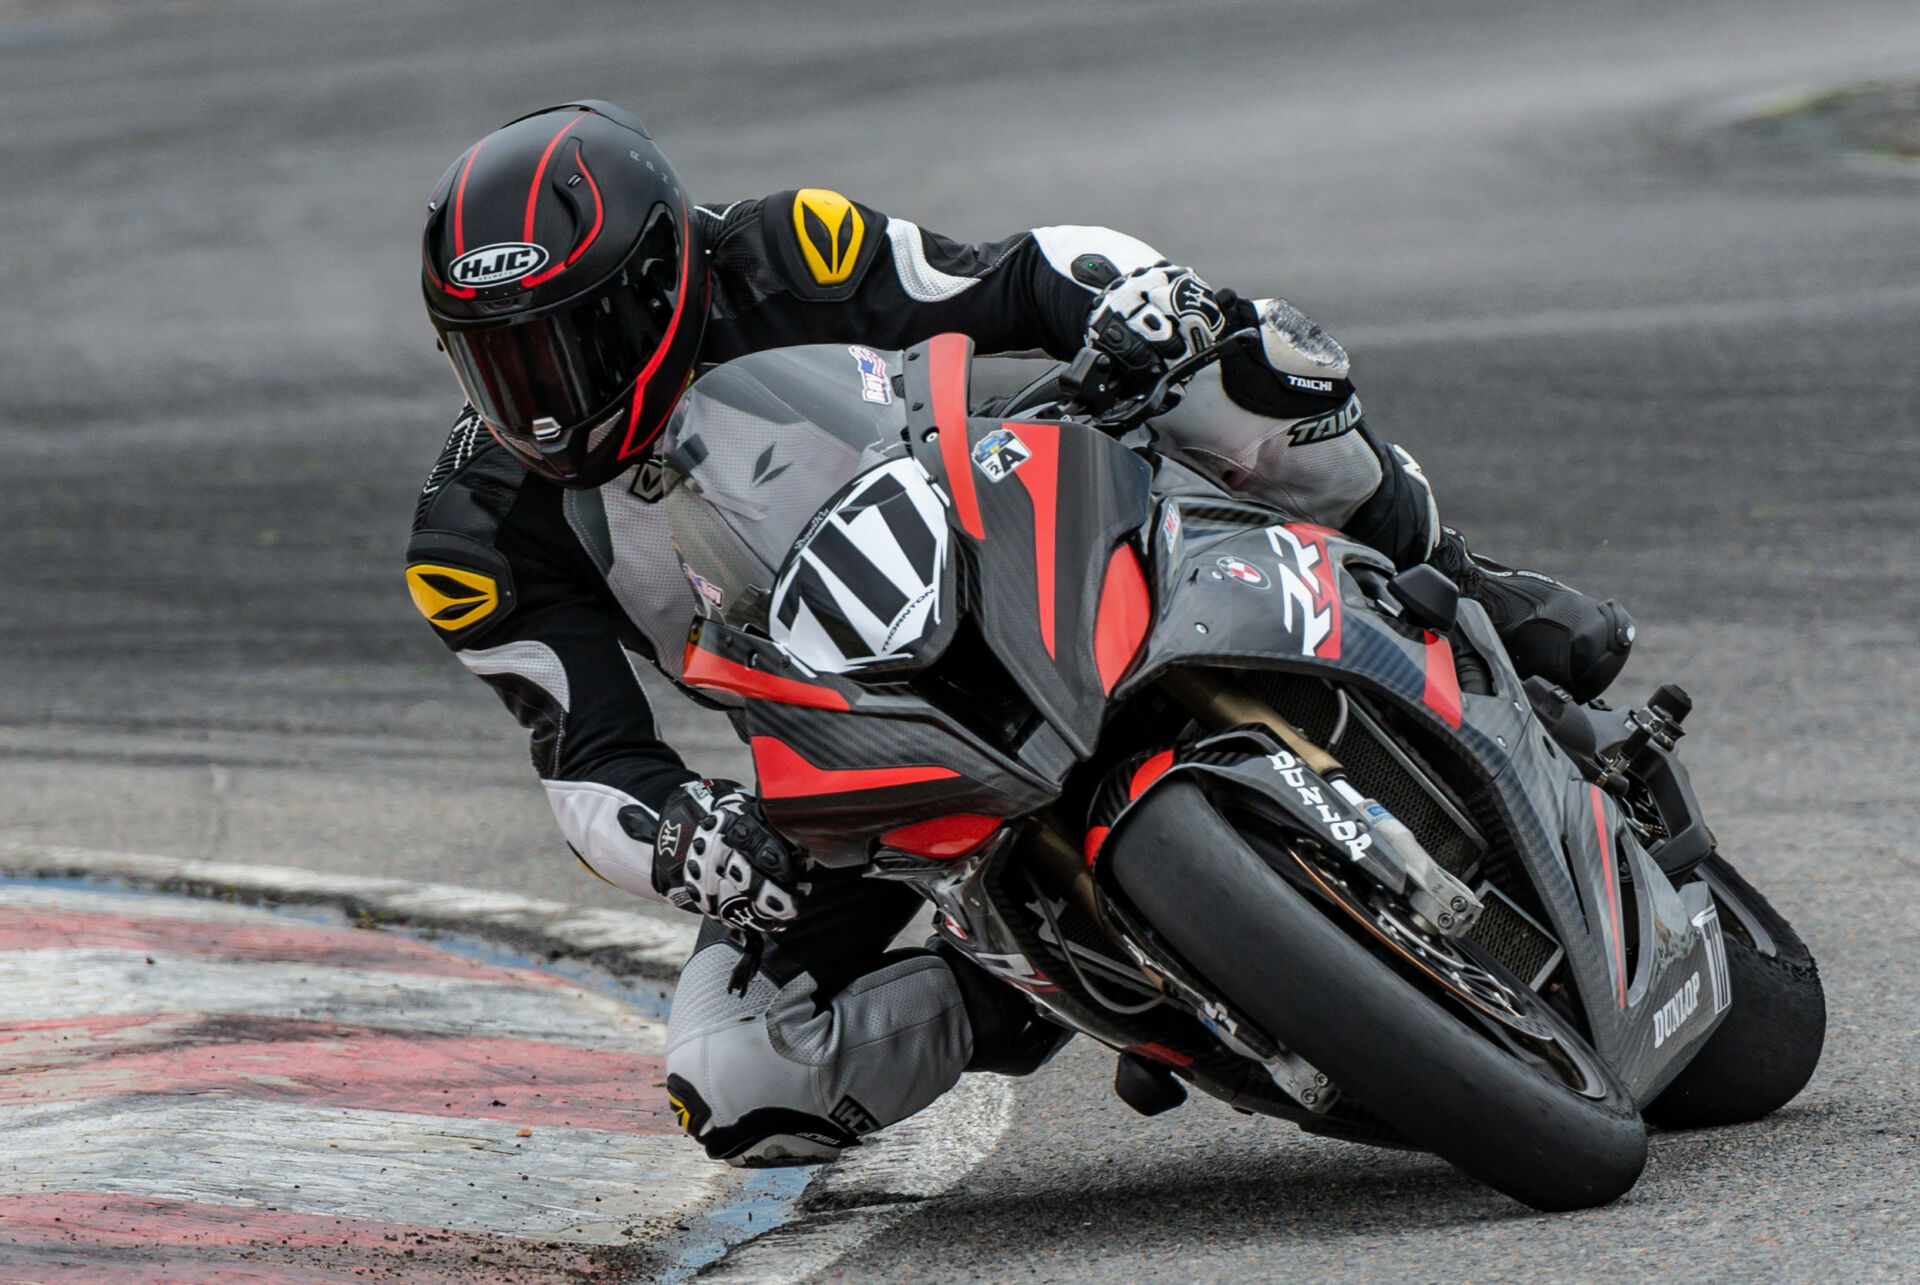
(649, 480)
(1170, 526)
(1323, 428)
(1243, 571)
(492, 264)
(682, 1116)
(1193, 298)
(1672, 1015)
(876, 385)
(999, 453)
(1708, 922)
(704, 589)
(830, 232)
(1311, 607)
(452, 597)
(1310, 385)
(667, 843)
(1343, 831)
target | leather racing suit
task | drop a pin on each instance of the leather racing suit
(555, 596)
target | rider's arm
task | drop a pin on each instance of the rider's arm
(813, 267)
(496, 570)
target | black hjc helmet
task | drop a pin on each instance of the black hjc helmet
(567, 281)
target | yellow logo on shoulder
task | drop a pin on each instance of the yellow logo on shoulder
(680, 1112)
(452, 597)
(830, 231)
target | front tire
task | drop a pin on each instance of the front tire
(1398, 1051)
(1766, 1049)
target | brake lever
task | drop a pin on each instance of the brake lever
(1154, 400)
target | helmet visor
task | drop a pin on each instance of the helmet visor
(569, 363)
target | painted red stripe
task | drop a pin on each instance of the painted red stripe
(947, 380)
(521, 1081)
(28, 928)
(702, 668)
(944, 837)
(1442, 694)
(540, 172)
(784, 774)
(1095, 837)
(1125, 612)
(104, 1238)
(627, 447)
(1041, 476)
(1613, 892)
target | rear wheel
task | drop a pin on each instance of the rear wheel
(1765, 1050)
(1522, 1105)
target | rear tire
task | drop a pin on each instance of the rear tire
(1766, 1049)
(1396, 1050)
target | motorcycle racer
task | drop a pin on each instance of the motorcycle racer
(577, 290)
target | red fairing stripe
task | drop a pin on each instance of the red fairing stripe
(1442, 693)
(627, 447)
(1149, 772)
(1096, 837)
(783, 774)
(943, 837)
(704, 669)
(1126, 610)
(1041, 476)
(1613, 891)
(947, 378)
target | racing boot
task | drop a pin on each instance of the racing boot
(1009, 1035)
(1549, 629)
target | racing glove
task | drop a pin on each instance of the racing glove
(1152, 318)
(714, 853)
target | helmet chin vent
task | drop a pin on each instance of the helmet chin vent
(545, 429)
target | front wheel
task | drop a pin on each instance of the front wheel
(1449, 1086)
(1766, 1048)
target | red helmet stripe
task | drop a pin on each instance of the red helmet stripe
(533, 190)
(459, 226)
(666, 342)
(598, 213)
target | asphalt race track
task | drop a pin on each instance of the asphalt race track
(1665, 357)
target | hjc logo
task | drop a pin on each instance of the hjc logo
(492, 264)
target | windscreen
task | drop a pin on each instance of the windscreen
(756, 448)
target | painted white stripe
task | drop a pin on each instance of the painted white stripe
(48, 985)
(914, 1160)
(412, 1169)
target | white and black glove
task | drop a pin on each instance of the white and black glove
(1151, 319)
(715, 854)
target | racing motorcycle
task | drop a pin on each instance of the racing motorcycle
(1220, 789)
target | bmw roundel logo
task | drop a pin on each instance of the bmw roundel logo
(492, 264)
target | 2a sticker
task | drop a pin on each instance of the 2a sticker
(999, 453)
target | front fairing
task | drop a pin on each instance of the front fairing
(1233, 589)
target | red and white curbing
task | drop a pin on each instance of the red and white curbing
(200, 1087)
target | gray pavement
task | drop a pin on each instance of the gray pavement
(1670, 359)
